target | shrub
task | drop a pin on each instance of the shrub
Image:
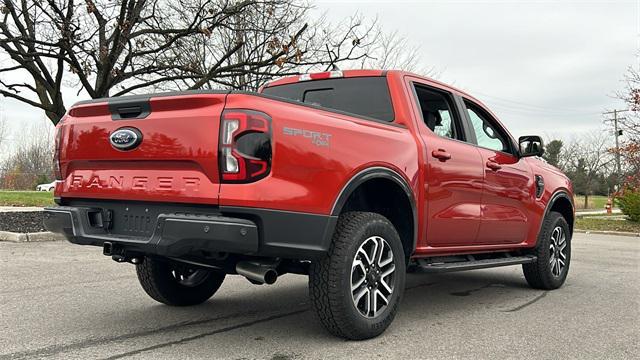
(629, 201)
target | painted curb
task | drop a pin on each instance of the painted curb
(603, 232)
(30, 237)
(597, 213)
(20, 209)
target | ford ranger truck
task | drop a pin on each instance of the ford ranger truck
(350, 177)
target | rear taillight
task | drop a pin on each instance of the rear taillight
(245, 146)
(56, 154)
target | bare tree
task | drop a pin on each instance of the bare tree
(319, 47)
(587, 159)
(630, 121)
(31, 161)
(112, 48)
(393, 51)
(4, 130)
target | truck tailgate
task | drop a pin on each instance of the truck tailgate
(176, 159)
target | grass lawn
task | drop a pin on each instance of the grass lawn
(586, 223)
(596, 202)
(26, 198)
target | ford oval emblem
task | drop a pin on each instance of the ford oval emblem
(125, 138)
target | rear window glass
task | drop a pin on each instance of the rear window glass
(364, 96)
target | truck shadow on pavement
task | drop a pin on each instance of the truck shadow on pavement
(287, 311)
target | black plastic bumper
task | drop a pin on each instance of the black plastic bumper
(173, 230)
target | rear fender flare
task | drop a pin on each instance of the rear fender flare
(373, 173)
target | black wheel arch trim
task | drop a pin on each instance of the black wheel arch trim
(556, 195)
(373, 173)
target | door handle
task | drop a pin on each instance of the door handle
(493, 165)
(441, 154)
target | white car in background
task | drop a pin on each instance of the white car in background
(46, 187)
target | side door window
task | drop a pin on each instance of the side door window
(438, 112)
(488, 134)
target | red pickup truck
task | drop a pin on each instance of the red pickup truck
(350, 177)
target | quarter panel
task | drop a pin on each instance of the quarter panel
(315, 154)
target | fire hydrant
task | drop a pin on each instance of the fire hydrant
(609, 205)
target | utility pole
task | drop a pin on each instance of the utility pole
(617, 133)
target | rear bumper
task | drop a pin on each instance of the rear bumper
(197, 231)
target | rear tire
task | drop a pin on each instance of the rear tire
(553, 251)
(357, 287)
(177, 284)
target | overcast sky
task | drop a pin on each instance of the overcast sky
(544, 67)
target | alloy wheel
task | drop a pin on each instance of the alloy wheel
(557, 251)
(372, 276)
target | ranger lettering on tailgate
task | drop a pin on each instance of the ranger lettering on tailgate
(146, 183)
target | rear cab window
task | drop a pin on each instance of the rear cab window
(438, 112)
(367, 97)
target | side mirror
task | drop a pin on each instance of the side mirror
(531, 145)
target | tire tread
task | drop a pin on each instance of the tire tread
(324, 282)
(537, 273)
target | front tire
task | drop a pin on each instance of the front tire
(357, 287)
(553, 252)
(177, 284)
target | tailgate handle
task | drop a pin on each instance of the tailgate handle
(129, 112)
(129, 108)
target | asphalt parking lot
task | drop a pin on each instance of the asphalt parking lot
(64, 301)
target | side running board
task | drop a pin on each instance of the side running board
(439, 265)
